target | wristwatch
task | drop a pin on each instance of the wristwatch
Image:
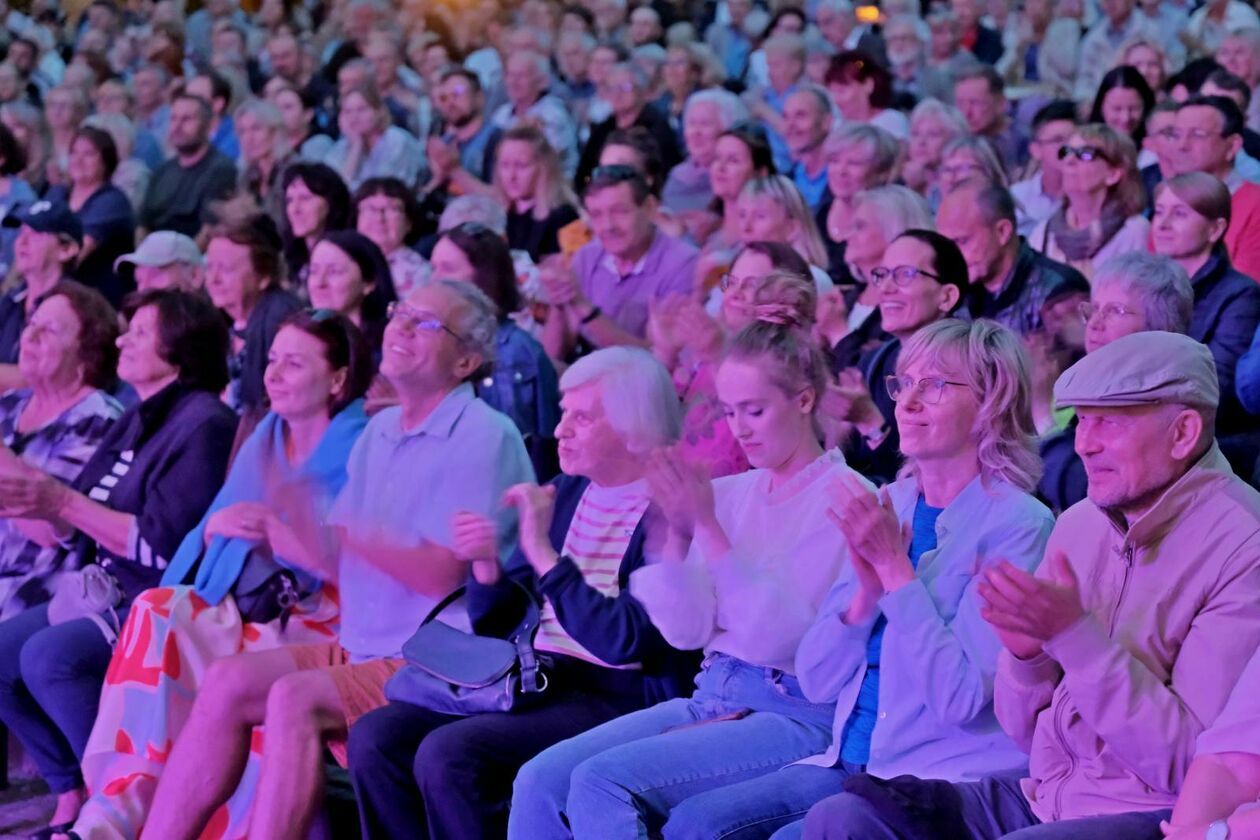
(1218, 830)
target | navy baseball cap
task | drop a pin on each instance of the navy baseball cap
(47, 217)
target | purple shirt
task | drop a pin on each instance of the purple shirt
(668, 268)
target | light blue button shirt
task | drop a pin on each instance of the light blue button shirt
(405, 486)
(939, 656)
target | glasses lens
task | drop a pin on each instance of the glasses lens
(1064, 151)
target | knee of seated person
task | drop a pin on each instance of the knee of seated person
(844, 816)
(541, 779)
(442, 751)
(40, 658)
(596, 773)
(291, 698)
(228, 682)
(692, 819)
(368, 738)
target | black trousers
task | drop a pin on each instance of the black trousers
(424, 774)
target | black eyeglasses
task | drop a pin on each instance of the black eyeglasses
(902, 275)
(1084, 153)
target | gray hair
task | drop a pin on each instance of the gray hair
(120, 129)
(481, 209)
(886, 148)
(899, 209)
(261, 110)
(478, 324)
(944, 113)
(842, 7)
(821, 98)
(636, 391)
(1249, 34)
(914, 22)
(637, 74)
(789, 43)
(1162, 285)
(981, 151)
(731, 109)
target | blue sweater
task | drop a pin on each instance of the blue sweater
(617, 630)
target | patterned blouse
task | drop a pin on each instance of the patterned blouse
(60, 448)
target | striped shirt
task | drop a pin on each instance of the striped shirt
(604, 522)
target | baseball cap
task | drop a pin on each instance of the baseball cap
(163, 247)
(1145, 368)
(47, 217)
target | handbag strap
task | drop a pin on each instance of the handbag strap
(532, 679)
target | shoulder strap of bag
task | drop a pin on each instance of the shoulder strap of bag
(532, 679)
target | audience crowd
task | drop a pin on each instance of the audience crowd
(687, 356)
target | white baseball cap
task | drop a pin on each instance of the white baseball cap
(163, 247)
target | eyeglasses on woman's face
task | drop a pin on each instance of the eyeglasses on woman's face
(901, 275)
(929, 388)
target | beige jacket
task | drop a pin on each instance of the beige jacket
(1110, 711)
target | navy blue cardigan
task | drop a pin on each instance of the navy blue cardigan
(617, 630)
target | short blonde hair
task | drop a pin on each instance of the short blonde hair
(785, 192)
(992, 361)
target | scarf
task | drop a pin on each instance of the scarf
(1082, 244)
(262, 473)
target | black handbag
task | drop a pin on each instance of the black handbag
(266, 590)
(460, 673)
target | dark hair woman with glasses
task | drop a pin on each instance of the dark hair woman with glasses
(149, 481)
(213, 595)
(1103, 202)
(523, 383)
(922, 279)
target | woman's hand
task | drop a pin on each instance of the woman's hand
(534, 508)
(662, 328)
(680, 491)
(28, 493)
(696, 329)
(243, 520)
(870, 527)
(832, 317)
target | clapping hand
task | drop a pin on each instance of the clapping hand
(681, 491)
(1027, 611)
(534, 508)
(243, 520)
(870, 527)
(559, 283)
(475, 541)
(28, 493)
(831, 317)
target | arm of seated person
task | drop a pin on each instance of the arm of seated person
(1215, 786)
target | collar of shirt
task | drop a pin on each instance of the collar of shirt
(441, 421)
(609, 262)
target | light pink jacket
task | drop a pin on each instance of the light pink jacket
(1110, 711)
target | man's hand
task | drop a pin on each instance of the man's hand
(1026, 611)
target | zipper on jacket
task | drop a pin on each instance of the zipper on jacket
(1061, 734)
(1124, 588)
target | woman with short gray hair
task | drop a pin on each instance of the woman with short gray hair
(687, 193)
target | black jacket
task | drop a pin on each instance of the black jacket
(656, 123)
(1226, 316)
(1035, 279)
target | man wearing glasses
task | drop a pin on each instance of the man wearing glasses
(615, 279)
(462, 157)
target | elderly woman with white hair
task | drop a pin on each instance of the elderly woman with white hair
(933, 125)
(1130, 293)
(707, 115)
(965, 500)
(421, 773)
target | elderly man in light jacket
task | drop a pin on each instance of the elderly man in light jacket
(1126, 643)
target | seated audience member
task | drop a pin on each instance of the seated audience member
(1131, 293)
(861, 88)
(529, 182)
(979, 94)
(807, 120)
(970, 157)
(183, 187)
(315, 200)
(264, 155)
(1124, 647)
(213, 601)
(243, 279)
(164, 260)
(15, 193)
(1192, 215)
(859, 157)
(109, 226)
(385, 212)
(1207, 137)
(636, 148)
(420, 773)
(783, 55)
(604, 300)
(461, 157)
(217, 90)
(389, 544)
(1223, 783)
(67, 358)
(48, 243)
(741, 154)
(745, 566)
(629, 94)
(349, 275)
(766, 277)
(148, 482)
(772, 209)
(1103, 200)
(962, 393)
(849, 317)
(370, 147)
(1239, 54)
(526, 80)
(522, 384)
(1040, 194)
(1123, 102)
(688, 190)
(933, 124)
(922, 278)
(1010, 282)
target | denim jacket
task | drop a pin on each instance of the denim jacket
(523, 385)
(939, 657)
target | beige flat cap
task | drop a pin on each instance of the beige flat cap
(1146, 368)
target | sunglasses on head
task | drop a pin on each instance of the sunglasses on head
(1085, 153)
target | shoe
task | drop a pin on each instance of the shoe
(53, 830)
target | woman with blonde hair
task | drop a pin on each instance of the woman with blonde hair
(933, 124)
(529, 182)
(370, 145)
(773, 209)
(1103, 202)
(1148, 57)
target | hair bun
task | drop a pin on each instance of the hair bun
(779, 314)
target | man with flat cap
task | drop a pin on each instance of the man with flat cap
(1126, 643)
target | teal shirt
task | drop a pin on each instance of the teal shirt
(855, 747)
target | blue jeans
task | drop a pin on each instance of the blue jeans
(985, 810)
(622, 779)
(50, 687)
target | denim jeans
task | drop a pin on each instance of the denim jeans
(985, 810)
(622, 779)
(50, 687)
